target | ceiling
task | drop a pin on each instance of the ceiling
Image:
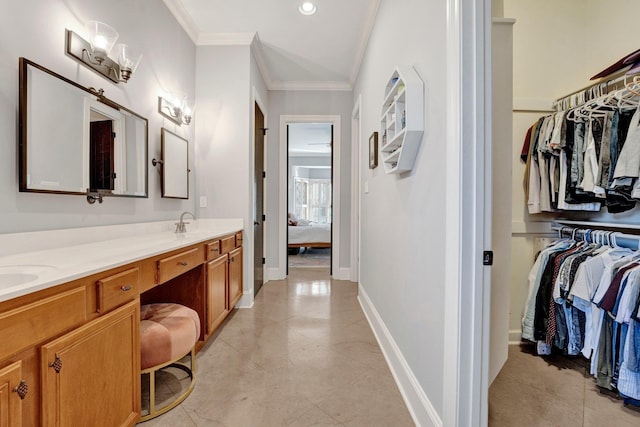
(293, 51)
(310, 139)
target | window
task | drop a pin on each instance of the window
(313, 199)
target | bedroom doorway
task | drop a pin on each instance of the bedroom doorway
(309, 195)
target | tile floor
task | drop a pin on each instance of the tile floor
(304, 355)
(552, 391)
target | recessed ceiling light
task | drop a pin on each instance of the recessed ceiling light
(307, 8)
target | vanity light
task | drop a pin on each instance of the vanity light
(178, 111)
(94, 53)
(307, 8)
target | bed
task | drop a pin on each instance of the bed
(310, 236)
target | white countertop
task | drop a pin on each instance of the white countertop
(74, 257)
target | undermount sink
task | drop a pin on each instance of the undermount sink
(13, 275)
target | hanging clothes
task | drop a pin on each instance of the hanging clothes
(583, 299)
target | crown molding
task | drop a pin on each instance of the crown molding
(311, 85)
(364, 41)
(226, 39)
(184, 18)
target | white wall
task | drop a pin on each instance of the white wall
(308, 103)
(402, 217)
(35, 29)
(558, 46)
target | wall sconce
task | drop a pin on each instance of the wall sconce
(95, 52)
(178, 111)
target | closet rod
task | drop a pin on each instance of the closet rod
(611, 83)
(630, 241)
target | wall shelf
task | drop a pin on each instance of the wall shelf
(402, 121)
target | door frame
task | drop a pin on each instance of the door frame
(468, 225)
(335, 190)
(356, 199)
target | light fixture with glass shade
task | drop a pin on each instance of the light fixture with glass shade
(94, 52)
(178, 110)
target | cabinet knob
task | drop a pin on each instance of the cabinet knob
(126, 288)
(183, 263)
(22, 389)
(56, 364)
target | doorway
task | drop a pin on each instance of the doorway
(258, 202)
(309, 195)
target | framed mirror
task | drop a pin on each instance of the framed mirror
(89, 144)
(175, 166)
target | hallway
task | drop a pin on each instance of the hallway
(303, 355)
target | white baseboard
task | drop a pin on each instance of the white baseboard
(420, 408)
(342, 274)
(246, 301)
(515, 336)
(273, 273)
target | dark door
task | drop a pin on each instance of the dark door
(101, 154)
(258, 203)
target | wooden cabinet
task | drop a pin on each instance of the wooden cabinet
(235, 276)
(217, 299)
(12, 391)
(175, 265)
(91, 376)
(402, 122)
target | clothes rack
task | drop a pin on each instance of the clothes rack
(630, 241)
(582, 96)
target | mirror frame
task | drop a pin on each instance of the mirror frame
(169, 165)
(23, 123)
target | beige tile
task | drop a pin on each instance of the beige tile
(304, 355)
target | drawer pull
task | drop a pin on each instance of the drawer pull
(56, 364)
(22, 389)
(183, 263)
(126, 288)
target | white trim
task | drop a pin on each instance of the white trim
(226, 39)
(247, 300)
(522, 227)
(356, 140)
(532, 105)
(419, 405)
(466, 344)
(342, 274)
(369, 20)
(282, 202)
(311, 85)
(272, 273)
(515, 336)
(255, 99)
(183, 17)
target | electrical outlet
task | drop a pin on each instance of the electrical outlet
(203, 201)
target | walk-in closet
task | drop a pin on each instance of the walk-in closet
(566, 275)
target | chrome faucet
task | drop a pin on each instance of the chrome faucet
(181, 227)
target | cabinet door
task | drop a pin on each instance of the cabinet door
(11, 390)
(235, 276)
(91, 376)
(217, 299)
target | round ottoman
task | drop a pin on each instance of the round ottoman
(168, 332)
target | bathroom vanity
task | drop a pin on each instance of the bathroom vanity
(69, 313)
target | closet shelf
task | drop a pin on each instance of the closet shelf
(402, 122)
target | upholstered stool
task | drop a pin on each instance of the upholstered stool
(168, 333)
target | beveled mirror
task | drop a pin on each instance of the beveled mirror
(175, 166)
(73, 139)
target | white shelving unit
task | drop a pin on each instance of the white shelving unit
(402, 122)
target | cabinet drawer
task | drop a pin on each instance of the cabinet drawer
(175, 265)
(115, 290)
(213, 250)
(228, 244)
(32, 323)
(238, 239)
